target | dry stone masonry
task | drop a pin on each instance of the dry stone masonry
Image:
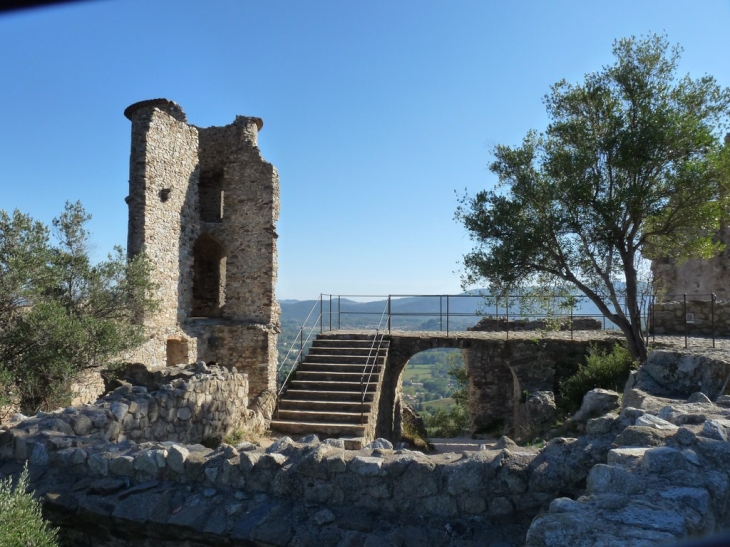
(200, 404)
(203, 205)
(651, 471)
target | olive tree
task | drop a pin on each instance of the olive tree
(60, 313)
(631, 166)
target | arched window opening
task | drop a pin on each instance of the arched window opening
(209, 277)
(210, 197)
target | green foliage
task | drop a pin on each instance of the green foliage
(59, 313)
(602, 370)
(631, 165)
(21, 522)
(455, 420)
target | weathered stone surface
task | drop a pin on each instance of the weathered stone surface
(596, 402)
(698, 397)
(637, 435)
(649, 420)
(366, 466)
(601, 425)
(717, 429)
(176, 456)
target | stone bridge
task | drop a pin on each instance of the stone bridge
(499, 367)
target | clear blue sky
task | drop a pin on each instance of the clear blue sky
(375, 112)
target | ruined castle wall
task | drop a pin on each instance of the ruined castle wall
(699, 316)
(162, 214)
(203, 203)
(250, 209)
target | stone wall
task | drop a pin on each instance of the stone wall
(505, 481)
(203, 204)
(194, 407)
(501, 371)
(695, 277)
(703, 317)
(86, 388)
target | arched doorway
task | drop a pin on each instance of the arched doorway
(209, 277)
(433, 384)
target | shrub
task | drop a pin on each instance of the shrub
(21, 522)
(602, 370)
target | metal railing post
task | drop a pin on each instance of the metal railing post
(507, 323)
(339, 312)
(441, 312)
(321, 319)
(686, 327)
(571, 323)
(301, 344)
(653, 318)
(389, 314)
(330, 313)
(712, 313)
(447, 315)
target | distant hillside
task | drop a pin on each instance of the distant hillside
(412, 312)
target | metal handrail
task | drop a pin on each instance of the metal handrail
(378, 338)
(298, 359)
(509, 311)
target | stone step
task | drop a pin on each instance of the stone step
(329, 406)
(343, 359)
(338, 367)
(318, 428)
(315, 395)
(339, 348)
(350, 337)
(334, 376)
(319, 416)
(332, 386)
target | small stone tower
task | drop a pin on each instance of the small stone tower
(203, 204)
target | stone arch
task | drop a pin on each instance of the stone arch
(209, 277)
(402, 349)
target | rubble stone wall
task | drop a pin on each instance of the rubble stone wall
(197, 406)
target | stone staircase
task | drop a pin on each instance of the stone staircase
(325, 396)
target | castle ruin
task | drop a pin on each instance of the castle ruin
(203, 205)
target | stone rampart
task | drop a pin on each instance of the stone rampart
(653, 473)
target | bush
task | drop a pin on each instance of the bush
(21, 522)
(602, 370)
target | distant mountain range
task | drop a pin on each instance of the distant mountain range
(409, 312)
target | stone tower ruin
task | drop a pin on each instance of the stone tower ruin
(203, 204)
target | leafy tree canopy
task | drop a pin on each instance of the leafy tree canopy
(630, 166)
(59, 313)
